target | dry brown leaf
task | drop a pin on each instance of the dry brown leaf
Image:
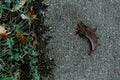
(3, 32)
(35, 42)
(31, 8)
(21, 38)
(2, 29)
(89, 33)
(31, 15)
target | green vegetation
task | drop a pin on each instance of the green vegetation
(20, 56)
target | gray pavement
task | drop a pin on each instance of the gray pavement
(70, 51)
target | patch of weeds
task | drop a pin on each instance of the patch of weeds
(22, 47)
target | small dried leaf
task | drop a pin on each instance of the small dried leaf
(21, 38)
(89, 33)
(13, 66)
(2, 29)
(35, 42)
(31, 15)
(3, 32)
(33, 34)
(31, 8)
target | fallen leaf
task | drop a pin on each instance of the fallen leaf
(14, 66)
(35, 42)
(4, 35)
(89, 33)
(3, 32)
(2, 29)
(31, 15)
(21, 38)
(31, 8)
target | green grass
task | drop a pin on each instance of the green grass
(17, 50)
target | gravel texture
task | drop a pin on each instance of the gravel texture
(71, 51)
